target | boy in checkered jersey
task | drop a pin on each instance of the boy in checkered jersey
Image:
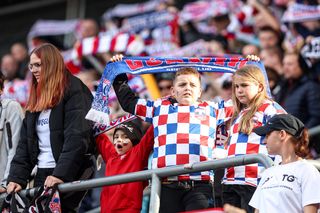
(252, 108)
(184, 133)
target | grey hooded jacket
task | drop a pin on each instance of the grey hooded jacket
(10, 111)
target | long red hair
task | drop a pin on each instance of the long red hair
(53, 79)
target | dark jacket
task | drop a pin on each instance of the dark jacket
(70, 135)
(301, 98)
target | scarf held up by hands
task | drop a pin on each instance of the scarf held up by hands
(100, 111)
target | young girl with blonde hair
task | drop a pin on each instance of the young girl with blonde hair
(252, 108)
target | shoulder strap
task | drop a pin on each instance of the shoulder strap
(4, 105)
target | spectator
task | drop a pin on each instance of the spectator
(269, 37)
(165, 83)
(252, 108)
(273, 79)
(272, 57)
(125, 154)
(20, 54)
(88, 28)
(298, 92)
(11, 116)
(184, 131)
(55, 135)
(291, 186)
(9, 67)
(250, 49)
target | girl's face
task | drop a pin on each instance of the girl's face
(121, 142)
(35, 66)
(186, 89)
(245, 90)
(273, 142)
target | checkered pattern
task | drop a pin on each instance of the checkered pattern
(242, 144)
(183, 134)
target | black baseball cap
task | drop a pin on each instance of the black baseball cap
(285, 122)
(132, 130)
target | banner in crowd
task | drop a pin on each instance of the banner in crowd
(147, 65)
(312, 49)
(126, 10)
(299, 12)
(196, 48)
(122, 43)
(154, 26)
(201, 10)
(51, 28)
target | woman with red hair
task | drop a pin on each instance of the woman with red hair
(55, 135)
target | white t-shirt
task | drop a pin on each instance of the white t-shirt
(45, 157)
(287, 188)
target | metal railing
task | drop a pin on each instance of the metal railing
(157, 174)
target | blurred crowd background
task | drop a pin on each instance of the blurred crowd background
(285, 34)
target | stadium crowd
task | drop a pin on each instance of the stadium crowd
(56, 143)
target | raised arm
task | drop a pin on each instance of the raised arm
(125, 95)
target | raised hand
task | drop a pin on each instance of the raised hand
(253, 58)
(117, 57)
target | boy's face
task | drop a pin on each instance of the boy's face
(121, 142)
(186, 89)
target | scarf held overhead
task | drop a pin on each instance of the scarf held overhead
(99, 111)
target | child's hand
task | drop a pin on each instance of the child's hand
(117, 57)
(253, 58)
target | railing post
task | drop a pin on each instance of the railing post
(155, 194)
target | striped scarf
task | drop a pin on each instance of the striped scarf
(145, 65)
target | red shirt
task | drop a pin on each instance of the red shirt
(124, 197)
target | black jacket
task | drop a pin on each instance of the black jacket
(301, 98)
(70, 135)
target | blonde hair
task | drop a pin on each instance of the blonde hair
(252, 74)
(53, 79)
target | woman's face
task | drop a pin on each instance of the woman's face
(273, 142)
(291, 67)
(35, 66)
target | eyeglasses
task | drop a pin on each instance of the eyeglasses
(164, 87)
(35, 65)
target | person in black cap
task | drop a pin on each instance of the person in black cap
(293, 185)
(128, 152)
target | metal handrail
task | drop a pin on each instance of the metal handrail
(157, 174)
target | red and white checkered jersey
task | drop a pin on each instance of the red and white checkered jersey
(183, 134)
(242, 144)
